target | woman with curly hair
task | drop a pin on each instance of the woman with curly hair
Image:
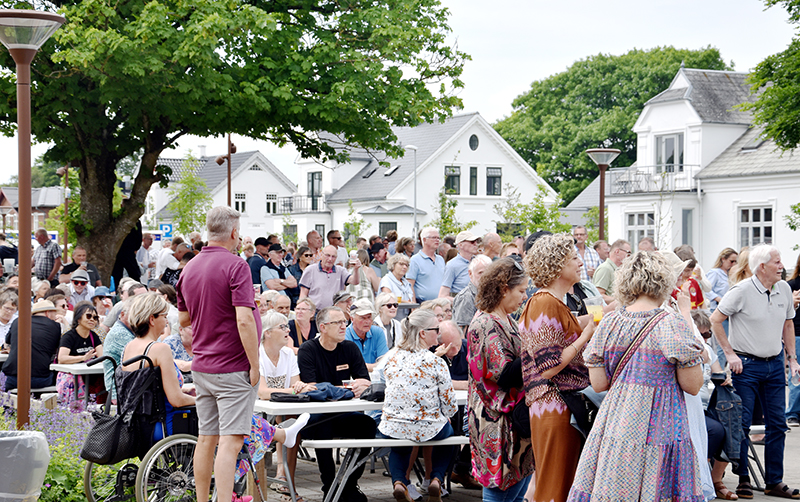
(553, 340)
(640, 447)
(502, 460)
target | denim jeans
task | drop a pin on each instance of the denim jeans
(36, 382)
(400, 457)
(767, 380)
(793, 406)
(514, 493)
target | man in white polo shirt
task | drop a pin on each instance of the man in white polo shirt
(760, 313)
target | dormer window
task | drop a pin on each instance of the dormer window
(669, 153)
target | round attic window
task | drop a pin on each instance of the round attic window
(473, 142)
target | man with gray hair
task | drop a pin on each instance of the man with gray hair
(762, 339)
(426, 268)
(114, 344)
(215, 297)
(464, 302)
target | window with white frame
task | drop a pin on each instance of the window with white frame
(272, 203)
(638, 226)
(755, 226)
(669, 153)
(240, 202)
(494, 180)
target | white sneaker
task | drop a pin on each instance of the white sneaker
(413, 492)
(423, 489)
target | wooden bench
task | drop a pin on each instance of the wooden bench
(351, 462)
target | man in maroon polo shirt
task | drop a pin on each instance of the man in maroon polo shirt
(215, 297)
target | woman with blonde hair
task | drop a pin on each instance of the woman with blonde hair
(640, 447)
(741, 270)
(419, 400)
(303, 327)
(552, 362)
(386, 305)
(718, 275)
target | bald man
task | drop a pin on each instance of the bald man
(492, 244)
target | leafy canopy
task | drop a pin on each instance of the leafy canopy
(190, 200)
(777, 82)
(124, 77)
(594, 103)
(531, 216)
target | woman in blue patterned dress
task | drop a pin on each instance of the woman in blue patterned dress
(640, 447)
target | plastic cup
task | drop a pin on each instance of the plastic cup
(399, 299)
(596, 311)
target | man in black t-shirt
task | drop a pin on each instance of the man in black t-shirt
(45, 335)
(331, 358)
(79, 261)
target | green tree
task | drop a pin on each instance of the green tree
(793, 220)
(446, 221)
(591, 220)
(354, 226)
(43, 174)
(288, 223)
(538, 214)
(129, 76)
(189, 201)
(594, 103)
(776, 85)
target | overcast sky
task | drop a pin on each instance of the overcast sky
(515, 42)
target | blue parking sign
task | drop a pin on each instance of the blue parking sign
(166, 229)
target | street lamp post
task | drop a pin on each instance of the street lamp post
(23, 32)
(64, 171)
(414, 148)
(603, 157)
(222, 158)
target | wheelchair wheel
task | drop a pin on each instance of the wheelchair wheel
(110, 483)
(167, 471)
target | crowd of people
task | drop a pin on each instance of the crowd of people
(687, 359)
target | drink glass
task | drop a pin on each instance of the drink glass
(594, 306)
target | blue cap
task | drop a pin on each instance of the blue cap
(102, 291)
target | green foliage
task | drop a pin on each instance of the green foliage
(64, 479)
(43, 174)
(793, 220)
(127, 77)
(354, 226)
(534, 215)
(55, 220)
(776, 85)
(591, 219)
(189, 200)
(286, 237)
(446, 220)
(594, 103)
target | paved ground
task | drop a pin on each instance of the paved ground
(378, 487)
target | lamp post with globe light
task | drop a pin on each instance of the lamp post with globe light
(603, 157)
(23, 32)
(414, 149)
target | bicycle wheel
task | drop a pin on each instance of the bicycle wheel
(166, 473)
(110, 483)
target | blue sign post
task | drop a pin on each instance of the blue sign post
(166, 229)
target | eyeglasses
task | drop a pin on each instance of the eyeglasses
(91, 317)
(80, 283)
(391, 305)
(284, 327)
(307, 255)
(155, 316)
(336, 238)
(10, 310)
(436, 329)
(343, 322)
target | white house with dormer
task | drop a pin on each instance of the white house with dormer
(464, 154)
(702, 175)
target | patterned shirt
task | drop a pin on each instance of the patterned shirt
(178, 350)
(501, 458)
(419, 396)
(590, 259)
(45, 258)
(547, 327)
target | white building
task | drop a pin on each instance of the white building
(702, 177)
(464, 154)
(256, 186)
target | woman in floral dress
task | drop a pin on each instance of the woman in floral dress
(640, 446)
(502, 460)
(419, 399)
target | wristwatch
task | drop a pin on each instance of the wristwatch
(281, 281)
(791, 357)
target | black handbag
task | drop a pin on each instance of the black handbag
(285, 397)
(583, 410)
(110, 440)
(376, 392)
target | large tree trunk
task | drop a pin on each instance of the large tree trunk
(101, 231)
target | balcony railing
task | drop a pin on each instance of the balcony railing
(301, 204)
(648, 179)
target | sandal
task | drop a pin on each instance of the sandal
(782, 490)
(723, 492)
(280, 487)
(400, 492)
(744, 490)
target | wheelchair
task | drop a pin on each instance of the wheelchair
(166, 472)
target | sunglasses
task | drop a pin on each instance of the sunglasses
(391, 305)
(94, 317)
(80, 283)
(436, 329)
(307, 255)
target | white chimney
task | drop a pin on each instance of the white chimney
(202, 150)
